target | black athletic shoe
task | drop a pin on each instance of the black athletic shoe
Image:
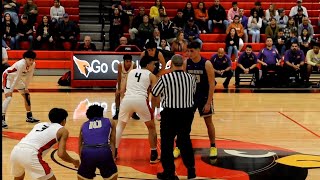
(191, 173)
(135, 116)
(4, 124)
(165, 176)
(115, 117)
(154, 157)
(32, 120)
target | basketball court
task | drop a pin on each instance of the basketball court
(259, 135)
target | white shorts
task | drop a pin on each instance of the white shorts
(7, 83)
(140, 105)
(24, 158)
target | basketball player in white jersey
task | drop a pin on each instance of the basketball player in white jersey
(12, 78)
(26, 156)
(123, 69)
(136, 100)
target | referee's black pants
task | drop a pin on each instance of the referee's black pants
(176, 122)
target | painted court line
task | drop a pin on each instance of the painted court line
(300, 124)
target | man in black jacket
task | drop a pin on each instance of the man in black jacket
(217, 16)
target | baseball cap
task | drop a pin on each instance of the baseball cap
(299, 0)
(191, 19)
(281, 10)
(65, 15)
(300, 9)
(24, 16)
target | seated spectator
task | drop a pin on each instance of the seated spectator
(290, 28)
(179, 44)
(12, 7)
(313, 60)
(244, 22)
(272, 29)
(125, 47)
(293, 38)
(87, 45)
(67, 32)
(217, 17)
(188, 11)
(166, 29)
(4, 45)
(192, 32)
(164, 45)
(260, 11)
(154, 11)
(294, 64)
(24, 32)
(222, 66)
(304, 41)
(145, 31)
(201, 17)
(9, 30)
(117, 20)
(156, 37)
(129, 10)
(133, 31)
(269, 58)
(239, 28)
(232, 43)
(282, 19)
(298, 17)
(295, 9)
(306, 25)
(5, 64)
(232, 12)
(254, 24)
(57, 11)
(280, 42)
(178, 22)
(247, 64)
(31, 10)
(270, 13)
(44, 34)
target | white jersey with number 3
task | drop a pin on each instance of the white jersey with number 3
(138, 82)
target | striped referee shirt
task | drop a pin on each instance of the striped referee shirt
(176, 89)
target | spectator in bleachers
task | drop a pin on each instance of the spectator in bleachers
(126, 47)
(246, 64)
(272, 29)
(179, 44)
(282, 19)
(145, 31)
(154, 11)
(188, 11)
(67, 32)
(294, 64)
(239, 28)
(306, 25)
(298, 17)
(57, 11)
(117, 23)
(260, 11)
(232, 43)
(155, 37)
(87, 45)
(166, 29)
(178, 21)
(201, 16)
(222, 66)
(4, 45)
(254, 24)
(129, 10)
(244, 21)
(269, 58)
(31, 10)
(217, 17)
(192, 32)
(280, 42)
(24, 32)
(44, 34)
(12, 7)
(293, 38)
(136, 23)
(291, 26)
(232, 12)
(164, 45)
(270, 13)
(313, 60)
(9, 30)
(304, 40)
(295, 9)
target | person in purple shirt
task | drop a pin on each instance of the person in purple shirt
(97, 145)
(247, 64)
(294, 63)
(222, 66)
(269, 58)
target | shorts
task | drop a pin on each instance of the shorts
(199, 104)
(101, 158)
(138, 104)
(7, 83)
(25, 158)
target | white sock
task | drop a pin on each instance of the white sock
(5, 104)
(119, 130)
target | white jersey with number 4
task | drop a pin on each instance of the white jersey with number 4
(42, 137)
(138, 82)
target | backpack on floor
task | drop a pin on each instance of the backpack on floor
(65, 80)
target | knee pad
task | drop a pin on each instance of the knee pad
(27, 97)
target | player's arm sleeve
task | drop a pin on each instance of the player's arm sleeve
(30, 75)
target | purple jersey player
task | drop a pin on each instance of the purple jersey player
(97, 145)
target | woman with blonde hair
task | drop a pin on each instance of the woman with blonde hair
(179, 44)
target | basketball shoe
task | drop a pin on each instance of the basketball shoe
(154, 157)
(213, 155)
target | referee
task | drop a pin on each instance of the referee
(177, 90)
